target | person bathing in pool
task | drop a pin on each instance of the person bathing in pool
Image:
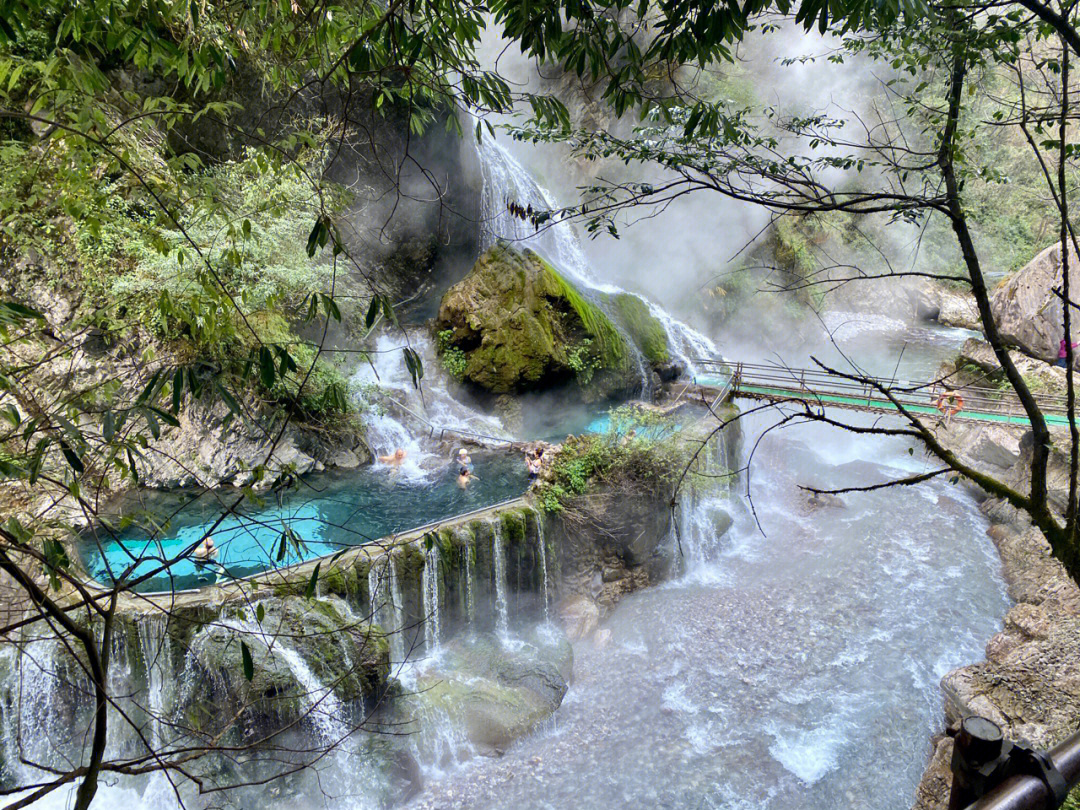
(394, 459)
(464, 477)
(206, 554)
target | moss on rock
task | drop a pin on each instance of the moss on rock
(522, 326)
(645, 330)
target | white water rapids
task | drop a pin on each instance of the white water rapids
(795, 665)
(797, 668)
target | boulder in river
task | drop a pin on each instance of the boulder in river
(487, 692)
(1027, 311)
(516, 324)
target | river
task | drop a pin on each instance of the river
(797, 667)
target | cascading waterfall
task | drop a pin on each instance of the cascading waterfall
(502, 608)
(323, 708)
(542, 546)
(386, 605)
(505, 180)
(401, 416)
(155, 647)
(32, 725)
(430, 586)
(470, 604)
(707, 500)
(685, 343)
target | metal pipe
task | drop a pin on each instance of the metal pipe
(1028, 792)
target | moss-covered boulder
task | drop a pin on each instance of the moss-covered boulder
(516, 324)
(485, 693)
(645, 330)
(298, 643)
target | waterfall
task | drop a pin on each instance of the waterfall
(430, 586)
(155, 646)
(541, 544)
(398, 415)
(706, 502)
(325, 711)
(686, 344)
(32, 727)
(386, 606)
(506, 180)
(502, 620)
(470, 605)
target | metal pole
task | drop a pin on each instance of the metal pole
(1029, 792)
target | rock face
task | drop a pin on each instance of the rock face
(490, 693)
(208, 449)
(521, 326)
(1027, 311)
(301, 642)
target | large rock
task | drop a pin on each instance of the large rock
(956, 308)
(299, 643)
(485, 693)
(521, 326)
(1027, 312)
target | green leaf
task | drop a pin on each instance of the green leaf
(177, 389)
(283, 546)
(228, 399)
(310, 590)
(72, 457)
(331, 308)
(267, 372)
(20, 311)
(260, 612)
(246, 662)
(37, 459)
(372, 313)
(12, 415)
(108, 426)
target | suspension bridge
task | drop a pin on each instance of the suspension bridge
(778, 383)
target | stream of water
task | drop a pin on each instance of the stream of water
(795, 666)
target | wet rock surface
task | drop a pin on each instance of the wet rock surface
(481, 693)
(519, 326)
(1029, 683)
(298, 643)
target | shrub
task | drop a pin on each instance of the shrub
(453, 358)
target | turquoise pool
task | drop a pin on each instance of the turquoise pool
(328, 513)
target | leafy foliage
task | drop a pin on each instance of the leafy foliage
(636, 449)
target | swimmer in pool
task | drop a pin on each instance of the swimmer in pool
(464, 477)
(394, 459)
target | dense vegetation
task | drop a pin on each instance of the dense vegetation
(164, 175)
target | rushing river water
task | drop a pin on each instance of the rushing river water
(795, 664)
(798, 668)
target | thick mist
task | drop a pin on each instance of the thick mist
(711, 260)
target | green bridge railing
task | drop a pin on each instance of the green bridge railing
(780, 383)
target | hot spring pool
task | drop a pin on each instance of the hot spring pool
(327, 512)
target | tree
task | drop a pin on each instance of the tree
(909, 168)
(100, 102)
